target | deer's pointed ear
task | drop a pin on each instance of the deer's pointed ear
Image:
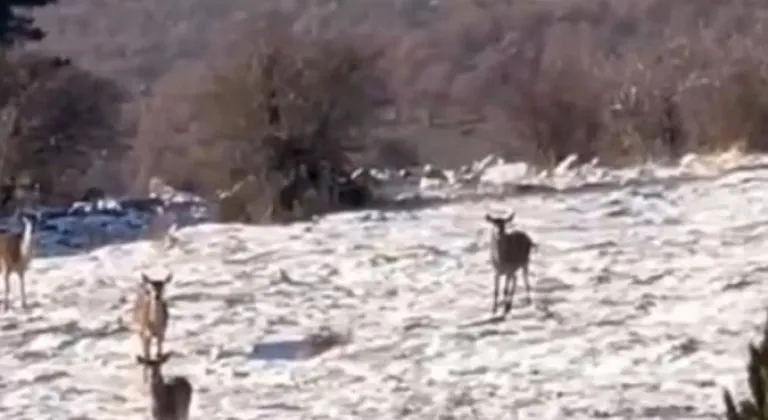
(488, 218)
(164, 357)
(168, 278)
(141, 360)
(510, 218)
(145, 279)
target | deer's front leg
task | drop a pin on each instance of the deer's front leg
(496, 278)
(6, 290)
(511, 278)
(159, 346)
(23, 290)
(527, 284)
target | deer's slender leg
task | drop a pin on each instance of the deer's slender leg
(6, 289)
(22, 288)
(159, 346)
(496, 279)
(527, 283)
(508, 305)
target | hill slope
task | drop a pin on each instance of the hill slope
(644, 300)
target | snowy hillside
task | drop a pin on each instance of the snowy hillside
(645, 297)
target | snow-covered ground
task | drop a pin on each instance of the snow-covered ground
(645, 297)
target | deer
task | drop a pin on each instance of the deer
(293, 191)
(161, 229)
(326, 184)
(150, 315)
(169, 398)
(510, 252)
(16, 251)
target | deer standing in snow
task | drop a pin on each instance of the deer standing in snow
(510, 252)
(169, 398)
(150, 315)
(16, 249)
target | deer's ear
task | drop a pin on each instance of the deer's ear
(488, 218)
(141, 360)
(510, 218)
(164, 357)
(145, 279)
(168, 278)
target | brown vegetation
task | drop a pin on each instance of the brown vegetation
(273, 113)
(755, 405)
(387, 81)
(58, 122)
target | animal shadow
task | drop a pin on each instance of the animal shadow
(496, 319)
(305, 348)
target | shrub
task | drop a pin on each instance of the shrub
(559, 111)
(615, 79)
(170, 125)
(618, 79)
(280, 102)
(60, 120)
(755, 407)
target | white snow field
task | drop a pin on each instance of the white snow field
(645, 298)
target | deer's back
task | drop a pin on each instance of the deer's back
(171, 399)
(511, 250)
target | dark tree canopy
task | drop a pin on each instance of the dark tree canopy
(15, 26)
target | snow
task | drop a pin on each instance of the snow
(646, 294)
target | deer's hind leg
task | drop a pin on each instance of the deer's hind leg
(496, 279)
(527, 283)
(22, 288)
(6, 288)
(509, 294)
(159, 345)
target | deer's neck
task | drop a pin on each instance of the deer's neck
(156, 306)
(156, 381)
(26, 240)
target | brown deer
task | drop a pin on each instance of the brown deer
(150, 315)
(510, 252)
(169, 398)
(16, 249)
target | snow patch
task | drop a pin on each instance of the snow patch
(645, 295)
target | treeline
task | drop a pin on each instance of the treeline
(305, 87)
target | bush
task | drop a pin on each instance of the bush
(618, 79)
(556, 116)
(59, 120)
(615, 79)
(279, 108)
(169, 125)
(756, 406)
